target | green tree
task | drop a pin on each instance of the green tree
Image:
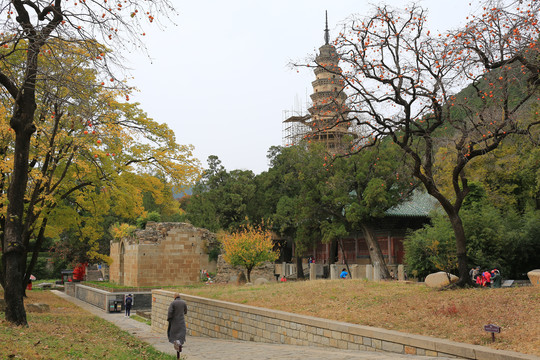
(498, 238)
(363, 187)
(221, 199)
(431, 249)
(511, 175)
(296, 175)
(331, 197)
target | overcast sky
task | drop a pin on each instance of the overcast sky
(221, 77)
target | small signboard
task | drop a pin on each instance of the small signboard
(492, 329)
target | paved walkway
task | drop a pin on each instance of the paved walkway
(201, 348)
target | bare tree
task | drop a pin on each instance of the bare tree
(406, 84)
(29, 27)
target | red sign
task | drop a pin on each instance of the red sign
(492, 328)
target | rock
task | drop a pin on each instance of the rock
(534, 277)
(44, 285)
(261, 281)
(38, 308)
(440, 279)
(241, 278)
(229, 274)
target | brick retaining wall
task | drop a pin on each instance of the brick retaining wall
(101, 298)
(220, 319)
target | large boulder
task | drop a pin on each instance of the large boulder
(261, 281)
(38, 308)
(534, 277)
(440, 279)
(44, 285)
(241, 279)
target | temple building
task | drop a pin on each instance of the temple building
(327, 119)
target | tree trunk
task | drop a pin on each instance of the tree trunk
(344, 258)
(22, 122)
(375, 253)
(299, 268)
(461, 249)
(13, 292)
(452, 211)
(333, 252)
(35, 254)
(14, 250)
(248, 271)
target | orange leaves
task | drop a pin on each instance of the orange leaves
(248, 247)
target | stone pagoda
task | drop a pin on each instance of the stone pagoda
(327, 119)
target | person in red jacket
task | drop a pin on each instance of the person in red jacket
(486, 281)
(79, 272)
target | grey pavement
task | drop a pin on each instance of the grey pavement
(203, 348)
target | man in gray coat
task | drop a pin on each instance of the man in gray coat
(176, 331)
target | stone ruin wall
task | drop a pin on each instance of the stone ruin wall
(230, 274)
(163, 254)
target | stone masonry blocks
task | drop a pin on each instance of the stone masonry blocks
(162, 254)
(219, 319)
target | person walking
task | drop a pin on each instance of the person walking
(176, 331)
(127, 305)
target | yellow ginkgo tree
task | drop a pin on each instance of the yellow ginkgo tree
(28, 28)
(249, 247)
(92, 152)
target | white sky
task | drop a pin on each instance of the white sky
(221, 78)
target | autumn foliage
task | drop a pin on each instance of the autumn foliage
(406, 84)
(32, 31)
(249, 247)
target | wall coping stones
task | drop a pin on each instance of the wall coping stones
(335, 331)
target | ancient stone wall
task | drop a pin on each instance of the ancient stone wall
(230, 321)
(163, 254)
(230, 274)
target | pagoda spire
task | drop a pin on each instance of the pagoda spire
(326, 31)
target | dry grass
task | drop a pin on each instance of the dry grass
(458, 315)
(67, 332)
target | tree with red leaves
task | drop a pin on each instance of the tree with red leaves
(407, 84)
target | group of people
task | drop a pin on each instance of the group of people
(485, 278)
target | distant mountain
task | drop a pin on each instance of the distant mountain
(180, 194)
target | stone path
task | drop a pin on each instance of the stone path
(199, 348)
